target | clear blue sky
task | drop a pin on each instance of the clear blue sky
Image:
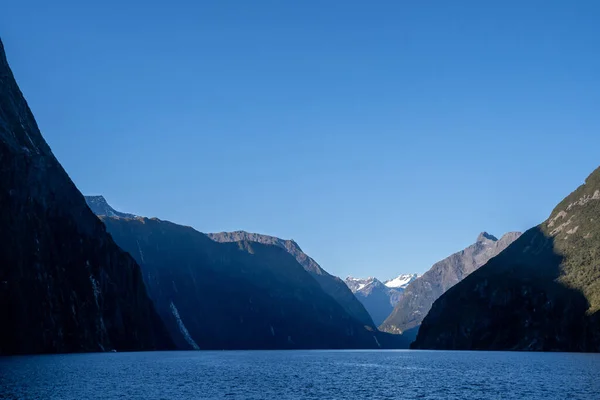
(381, 136)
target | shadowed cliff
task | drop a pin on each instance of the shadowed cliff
(417, 299)
(65, 286)
(237, 295)
(332, 285)
(541, 293)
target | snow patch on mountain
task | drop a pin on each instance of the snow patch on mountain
(360, 284)
(378, 298)
(401, 281)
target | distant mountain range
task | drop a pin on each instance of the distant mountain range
(419, 295)
(332, 285)
(379, 298)
(240, 290)
(541, 293)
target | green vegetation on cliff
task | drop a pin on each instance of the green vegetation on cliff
(541, 293)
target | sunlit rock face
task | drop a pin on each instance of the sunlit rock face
(419, 295)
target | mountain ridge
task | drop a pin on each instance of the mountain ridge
(155, 243)
(420, 294)
(237, 295)
(542, 293)
(332, 285)
(100, 206)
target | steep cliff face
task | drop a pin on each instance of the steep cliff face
(541, 293)
(332, 285)
(417, 299)
(236, 295)
(65, 286)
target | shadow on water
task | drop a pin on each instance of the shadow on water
(593, 332)
(410, 335)
(514, 302)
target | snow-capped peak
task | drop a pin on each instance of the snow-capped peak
(401, 281)
(357, 284)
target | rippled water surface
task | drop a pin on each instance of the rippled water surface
(302, 375)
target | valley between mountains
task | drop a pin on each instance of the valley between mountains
(77, 275)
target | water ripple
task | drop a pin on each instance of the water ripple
(292, 375)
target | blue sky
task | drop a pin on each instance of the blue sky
(381, 136)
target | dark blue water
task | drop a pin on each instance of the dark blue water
(302, 375)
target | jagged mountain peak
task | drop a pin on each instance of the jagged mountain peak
(358, 284)
(484, 237)
(420, 294)
(100, 207)
(542, 293)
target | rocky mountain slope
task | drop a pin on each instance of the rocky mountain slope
(332, 285)
(378, 298)
(237, 295)
(65, 286)
(420, 294)
(541, 293)
(100, 206)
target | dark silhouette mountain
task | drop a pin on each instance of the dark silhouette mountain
(378, 298)
(420, 294)
(332, 285)
(541, 293)
(100, 206)
(65, 286)
(237, 295)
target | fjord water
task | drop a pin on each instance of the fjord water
(302, 375)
